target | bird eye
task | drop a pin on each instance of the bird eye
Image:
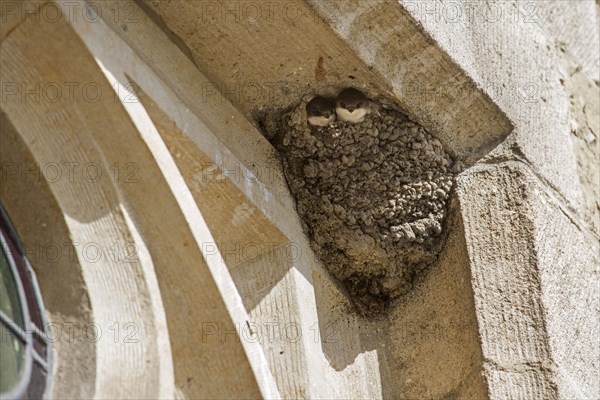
(343, 104)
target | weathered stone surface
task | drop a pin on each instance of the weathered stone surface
(510, 307)
(513, 227)
(496, 204)
(433, 333)
(568, 256)
(391, 55)
(47, 240)
(524, 84)
(56, 135)
(572, 24)
(584, 122)
(170, 270)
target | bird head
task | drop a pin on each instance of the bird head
(351, 99)
(320, 107)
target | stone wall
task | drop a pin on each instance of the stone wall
(220, 286)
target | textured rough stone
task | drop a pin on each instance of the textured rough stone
(510, 307)
(525, 84)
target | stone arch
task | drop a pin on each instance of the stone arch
(43, 230)
(104, 306)
(168, 289)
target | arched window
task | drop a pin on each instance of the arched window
(25, 354)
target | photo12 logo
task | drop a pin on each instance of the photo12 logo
(68, 11)
(76, 331)
(474, 11)
(267, 332)
(255, 12)
(51, 253)
(68, 171)
(66, 92)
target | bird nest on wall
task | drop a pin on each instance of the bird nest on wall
(371, 187)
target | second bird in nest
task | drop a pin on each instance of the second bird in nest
(353, 106)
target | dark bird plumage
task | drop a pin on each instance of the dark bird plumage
(320, 111)
(353, 106)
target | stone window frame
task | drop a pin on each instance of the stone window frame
(299, 286)
(32, 308)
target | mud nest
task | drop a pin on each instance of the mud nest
(372, 197)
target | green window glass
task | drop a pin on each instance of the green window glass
(25, 356)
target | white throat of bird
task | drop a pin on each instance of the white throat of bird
(357, 115)
(321, 120)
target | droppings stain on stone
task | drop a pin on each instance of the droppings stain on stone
(241, 213)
